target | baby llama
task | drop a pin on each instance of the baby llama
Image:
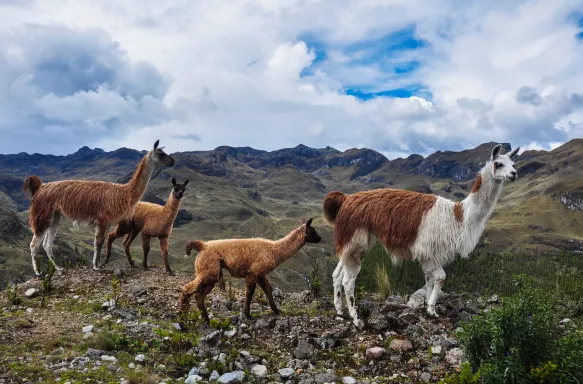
(412, 226)
(151, 220)
(251, 259)
(97, 202)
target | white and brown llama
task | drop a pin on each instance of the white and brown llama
(151, 220)
(251, 259)
(412, 226)
(84, 201)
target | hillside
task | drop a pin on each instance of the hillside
(240, 192)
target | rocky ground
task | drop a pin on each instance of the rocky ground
(121, 327)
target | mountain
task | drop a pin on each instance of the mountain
(242, 192)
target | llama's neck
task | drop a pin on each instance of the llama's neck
(172, 206)
(139, 181)
(288, 246)
(481, 202)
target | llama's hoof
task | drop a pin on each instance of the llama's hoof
(39, 275)
(358, 324)
(170, 273)
(96, 268)
(431, 312)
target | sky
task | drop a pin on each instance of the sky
(397, 76)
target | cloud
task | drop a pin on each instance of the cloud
(399, 77)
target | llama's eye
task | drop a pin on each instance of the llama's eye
(498, 165)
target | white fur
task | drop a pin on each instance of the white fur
(439, 239)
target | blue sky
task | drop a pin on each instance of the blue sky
(397, 76)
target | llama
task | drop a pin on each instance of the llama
(412, 226)
(97, 202)
(251, 259)
(152, 220)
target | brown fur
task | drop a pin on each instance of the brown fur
(251, 259)
(332, 205)
(458, 212)
(392, 215)
(477, 184)
(151, 220)
(96, 202)
(31, 185)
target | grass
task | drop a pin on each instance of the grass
(483, 273)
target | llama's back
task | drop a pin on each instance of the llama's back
(393, 216)
(147, 217)
(83, 200)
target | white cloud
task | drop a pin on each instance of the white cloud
(201, 74)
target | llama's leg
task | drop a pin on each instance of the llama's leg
(50, 238)
(100, 232)
(200, 296)
(146, 248)
(351, 269)
(113, 235)
(266, 287)
(439, 280)
(429, 281)
(164, 249)
(35, 244)
(251, 282)
(127, 243)
(337, 277)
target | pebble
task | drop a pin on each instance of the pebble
(140, 358)
(286, 373)
(426, 376)
(113, 359)
(401, 345)
(232, 377)
(214, 376)
(88, 328)
(31, 292)
(348, 380)
(193, 379)
(29, 310)
(259, 370)
(375, 352)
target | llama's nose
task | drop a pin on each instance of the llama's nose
(513, 175)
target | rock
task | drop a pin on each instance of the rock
(375, 353)
(264, 324)
(562, 322)
(232, 377)
(29, 310)
(449, 343)
(231, 333)
(408, 317)
(401, 345)
(118, 272)
(425, 377)
(328, 377)
(416, 300)
(286, 373)
(259, 370)
(140, 358)
(87, 335)
(348, 380)
(378, 322)
(438, 351)
(193, 379)
(88, 328)
(112, 359)
(131, 366)
(124, 314)
(177, 326)
(32, 292)
(304, 350)
(210, 341)
(277, 294)
(94, 354)
(193, 371)
(365, 309)
(214, 376)
(454, 356)
(161, 367)
(108, 305)
(113, 367)
(494, 299)
(138, 290)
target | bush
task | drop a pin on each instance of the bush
(382, 281)
(521, 342)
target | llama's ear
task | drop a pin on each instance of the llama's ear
(156, 144)
(496, 151)
(309, 223)
(514, 153)
(185, 183)
(174, 182)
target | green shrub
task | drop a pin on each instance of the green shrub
(521, 342)
(13, 298)
(465, 376)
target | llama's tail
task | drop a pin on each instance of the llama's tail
(193, 244)
(332, 204)
(31, 185)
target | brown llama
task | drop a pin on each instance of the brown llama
(84, 201)
(251, 259)
(152, 220)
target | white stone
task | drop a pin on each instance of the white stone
(259, 370)
(231, 333)
(31, 292)
(140, 358)
(112, 359)
(87, 335)
(88, 328)
(375, 352)
(29, 310)
(286, 373)
(193, 379)
(348, 380)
